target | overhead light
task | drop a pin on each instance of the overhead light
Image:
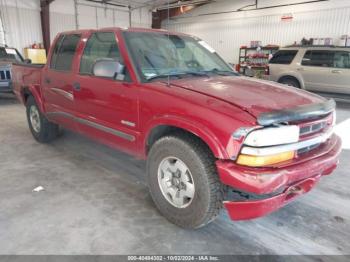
(182, 4)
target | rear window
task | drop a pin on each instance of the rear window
(55, 52)
(321, 58)
(342, 59)
(284, 57)
(64, 51)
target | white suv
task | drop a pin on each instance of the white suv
(322, 69)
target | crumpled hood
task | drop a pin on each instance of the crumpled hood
(250, 94)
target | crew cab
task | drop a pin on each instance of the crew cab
(211, 138)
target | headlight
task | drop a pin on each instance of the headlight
(265, 137)
(273, 136)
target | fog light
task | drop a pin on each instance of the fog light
(258, 161)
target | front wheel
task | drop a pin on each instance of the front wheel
(290, 81)
(183, 181)
(42, 130)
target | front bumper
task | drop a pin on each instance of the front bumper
(290, 180)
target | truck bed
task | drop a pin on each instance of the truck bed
(25, 75)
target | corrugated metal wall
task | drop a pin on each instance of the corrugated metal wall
(60, 22)
(97, 17)
(22, 26)
(2, 32)
(227, 35)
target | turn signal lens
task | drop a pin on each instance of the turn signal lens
(258, 161)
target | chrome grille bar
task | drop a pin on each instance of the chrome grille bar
(272, 150)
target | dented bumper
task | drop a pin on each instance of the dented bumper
(290, 181)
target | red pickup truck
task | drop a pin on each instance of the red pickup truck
(211, 138)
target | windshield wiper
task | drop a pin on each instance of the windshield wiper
(163, 76)
(179, 74)
(222, 72)
(195, 73)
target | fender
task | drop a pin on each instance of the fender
(35, 91)
(195, 128)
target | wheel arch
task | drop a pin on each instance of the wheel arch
(165, 127)
(34, 91)
(293, 76)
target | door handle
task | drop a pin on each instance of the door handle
(300, 69)
(47, 80)
(336, 71)
(76, 86)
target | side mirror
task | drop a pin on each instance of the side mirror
(27, 61)
(108, 68)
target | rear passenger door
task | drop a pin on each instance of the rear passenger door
(316, 70)
(58, 81)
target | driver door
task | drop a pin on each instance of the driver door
(106, 108)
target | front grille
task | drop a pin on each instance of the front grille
(5, 75)
(313, 129)
(310, 129)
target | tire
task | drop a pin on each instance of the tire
(42, 130)
(290, 81)
(206, 202)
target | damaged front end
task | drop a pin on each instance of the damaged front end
(281, 158)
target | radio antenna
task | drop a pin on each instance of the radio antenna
(167, 26)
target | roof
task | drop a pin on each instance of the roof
(131, 29)
(316, 47)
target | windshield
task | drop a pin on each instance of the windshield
(156, 55)
(10, 54)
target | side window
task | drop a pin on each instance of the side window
(306, 59)
(321, 58)
(342, 59)
(3, 53)
(100, 45)
(283, 57)
(62, 59)
(55, 52)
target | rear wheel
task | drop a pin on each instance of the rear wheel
(290, 81)
(183, 181)
(42, 130)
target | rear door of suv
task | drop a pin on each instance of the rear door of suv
(326, 71)
(341, 72)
